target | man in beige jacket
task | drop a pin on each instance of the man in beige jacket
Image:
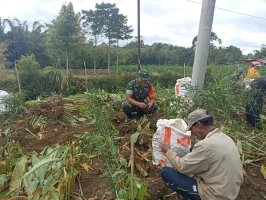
(212, 170)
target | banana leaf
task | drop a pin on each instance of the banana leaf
(16, 179)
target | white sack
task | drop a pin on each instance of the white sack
(180, 86)
(3, 95)
(172, 132)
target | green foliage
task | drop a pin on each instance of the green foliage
(90, 142)
(28, 63)
(29, 76)
(64, 35)
(112, 24)
(56, 79)
(124, 181)
(8, 81)
(111, 84)
(167, 79)
(222, 97)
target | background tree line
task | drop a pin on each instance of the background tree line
(91, 38)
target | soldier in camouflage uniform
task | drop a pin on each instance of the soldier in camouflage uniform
(140, 96)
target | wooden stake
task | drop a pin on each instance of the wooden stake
(19, 89)
(184, 70)
(132, 169)
(85, 72)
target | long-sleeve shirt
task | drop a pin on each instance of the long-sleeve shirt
(216, 165)
(253, 73)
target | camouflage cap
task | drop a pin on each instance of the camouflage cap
(144, 74)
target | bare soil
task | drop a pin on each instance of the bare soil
(92, 185)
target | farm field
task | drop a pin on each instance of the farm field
(92, 184)
(94, 122)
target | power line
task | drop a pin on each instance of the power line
(232, 11)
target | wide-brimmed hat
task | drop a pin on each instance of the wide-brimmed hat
(144, 74)
(195, 116)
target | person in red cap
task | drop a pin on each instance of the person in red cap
(212, 170)
(140, 96)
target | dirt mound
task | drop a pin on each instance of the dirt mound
(52, 109)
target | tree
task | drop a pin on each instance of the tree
(134, 43)
(17, 39)
(214, 38)
(30, 76)
(2, 30)
(64, 34)
(113, 25)
(36, 43)
(93, 28)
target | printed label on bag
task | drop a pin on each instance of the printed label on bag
(195, 188)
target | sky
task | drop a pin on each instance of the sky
(173, 22)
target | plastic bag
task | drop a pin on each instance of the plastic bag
(171, 132)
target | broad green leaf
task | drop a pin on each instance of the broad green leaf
(121, 192)
(262, 117)
(33, 187)
(123, 162)
(143, 192)
(41, 163)
(17, 175)
(117, 173)
(2, 181)
(81, 119)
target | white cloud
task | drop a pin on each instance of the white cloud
(168, 21)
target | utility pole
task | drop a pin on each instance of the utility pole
(138, 35)
(203, 43)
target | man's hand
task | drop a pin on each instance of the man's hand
(143, 105)
(151, 103)
(165, 147)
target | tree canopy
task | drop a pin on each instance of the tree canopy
(92, 36)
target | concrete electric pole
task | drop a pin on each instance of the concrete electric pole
(203, 43)
(139, 35)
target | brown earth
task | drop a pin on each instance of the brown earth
(92, 185)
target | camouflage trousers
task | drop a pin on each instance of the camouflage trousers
(128, 108)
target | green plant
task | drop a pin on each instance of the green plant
(50, 174)
(123, 183)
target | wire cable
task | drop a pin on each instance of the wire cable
(231, 11)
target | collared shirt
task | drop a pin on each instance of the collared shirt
(140, 93)
(216, 165)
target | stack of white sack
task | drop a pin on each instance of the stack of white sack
(170, 131)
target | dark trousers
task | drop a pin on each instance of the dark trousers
(254, 109)
(184, 185)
